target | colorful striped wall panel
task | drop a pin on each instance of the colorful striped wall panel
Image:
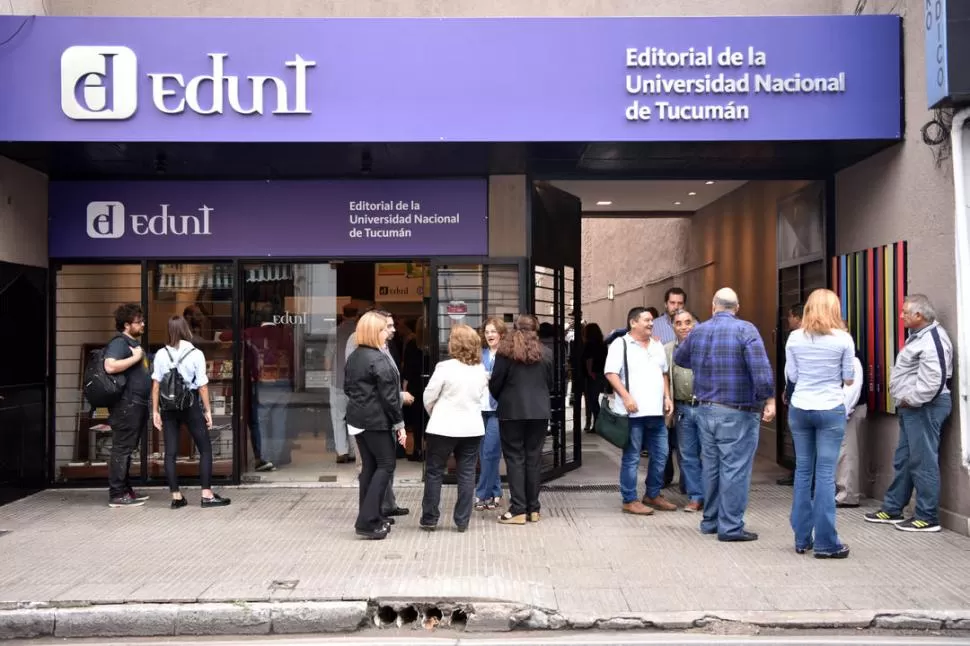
(872, 285)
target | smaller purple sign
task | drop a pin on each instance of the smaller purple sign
(326, 219)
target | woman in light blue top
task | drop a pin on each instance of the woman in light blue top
(488, 494)
(819, 361)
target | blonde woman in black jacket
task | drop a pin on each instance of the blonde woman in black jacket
(374, 418)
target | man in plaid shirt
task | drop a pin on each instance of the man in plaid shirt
(735, 386)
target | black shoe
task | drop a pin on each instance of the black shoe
(138, 496)
(883, 517)
(178, 503)
(427, 528)
(373, 534)
(743, 537)
(125, 501)
(787, 481)
(802, 550)
(215, 501)
(264, 465)
(387, 521)
(841, 553)
(346, 459)
(846, 505)
(461, 529)
(914, 525)
(399, 511)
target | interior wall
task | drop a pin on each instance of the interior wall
(911, 198)
(23, 214)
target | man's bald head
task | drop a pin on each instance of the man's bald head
(725, 299)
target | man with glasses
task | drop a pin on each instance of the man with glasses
(128, 417)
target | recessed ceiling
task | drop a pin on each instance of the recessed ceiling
(647, 195)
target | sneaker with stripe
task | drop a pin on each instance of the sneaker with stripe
(883, 517)
(916, 525)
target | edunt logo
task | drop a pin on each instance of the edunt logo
(106, 220)
(99, 82)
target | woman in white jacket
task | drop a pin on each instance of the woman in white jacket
(453, 398)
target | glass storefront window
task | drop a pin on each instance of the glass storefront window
(85, 300)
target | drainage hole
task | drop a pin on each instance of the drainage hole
(409, 615)
(387, 615)
(459, 619)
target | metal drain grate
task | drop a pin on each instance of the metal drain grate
(284, 584)
(581, 487)
(4, 531)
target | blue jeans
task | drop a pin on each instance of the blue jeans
(817, 435)
(729, 439)
(917, 461)
(652, 432)
(489, 480)
(689, 445)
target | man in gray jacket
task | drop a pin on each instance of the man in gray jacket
(919, 383)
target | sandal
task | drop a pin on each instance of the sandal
(508, 519)
(481, 505)
(492, 503)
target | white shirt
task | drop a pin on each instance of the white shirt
(853, 393)
(192, 368)
(453, 397)
(818, 364)
(646, 382)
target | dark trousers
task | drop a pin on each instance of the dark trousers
(593, 388)
(465, 450)
(673, 452)
(378, 459)
(194, 421)
(522, 441)
(128, 421)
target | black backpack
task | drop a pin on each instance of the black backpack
(173, 392)
(101, 389)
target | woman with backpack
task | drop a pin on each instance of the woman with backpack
(180, 395)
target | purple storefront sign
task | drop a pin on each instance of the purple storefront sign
(429, 80)
(326, 219)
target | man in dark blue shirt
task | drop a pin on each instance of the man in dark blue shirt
(735, 385)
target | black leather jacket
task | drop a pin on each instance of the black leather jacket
(373, 389)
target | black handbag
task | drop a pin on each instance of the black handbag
(614, 428)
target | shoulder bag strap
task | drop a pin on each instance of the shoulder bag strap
(942, 358)
(626, 369)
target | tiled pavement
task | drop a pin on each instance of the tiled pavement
(584, 556)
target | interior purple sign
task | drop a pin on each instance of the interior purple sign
(328, 219)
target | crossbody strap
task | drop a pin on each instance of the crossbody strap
(626, 369)
(176, 364)
(942, 357)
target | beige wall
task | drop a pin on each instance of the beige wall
(900, 194)
(442, 8)
(23, 214)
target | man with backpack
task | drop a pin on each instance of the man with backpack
(128, 416)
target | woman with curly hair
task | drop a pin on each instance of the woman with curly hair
(453, 398)
(521, 381)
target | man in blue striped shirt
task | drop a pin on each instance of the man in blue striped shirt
(735, 385)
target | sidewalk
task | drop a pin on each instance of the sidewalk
(68, 560)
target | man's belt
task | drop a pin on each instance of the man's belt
(693, 401)
(743, 409)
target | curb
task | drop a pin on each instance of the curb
(313, 617)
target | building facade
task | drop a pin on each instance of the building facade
(880, 186)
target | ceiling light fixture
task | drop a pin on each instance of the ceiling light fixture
(604, 203)
(709, 182)
(692, 194)
(676, 203)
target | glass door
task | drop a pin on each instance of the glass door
(202, 294)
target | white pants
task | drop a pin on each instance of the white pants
(338, 418)
(847, 483)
